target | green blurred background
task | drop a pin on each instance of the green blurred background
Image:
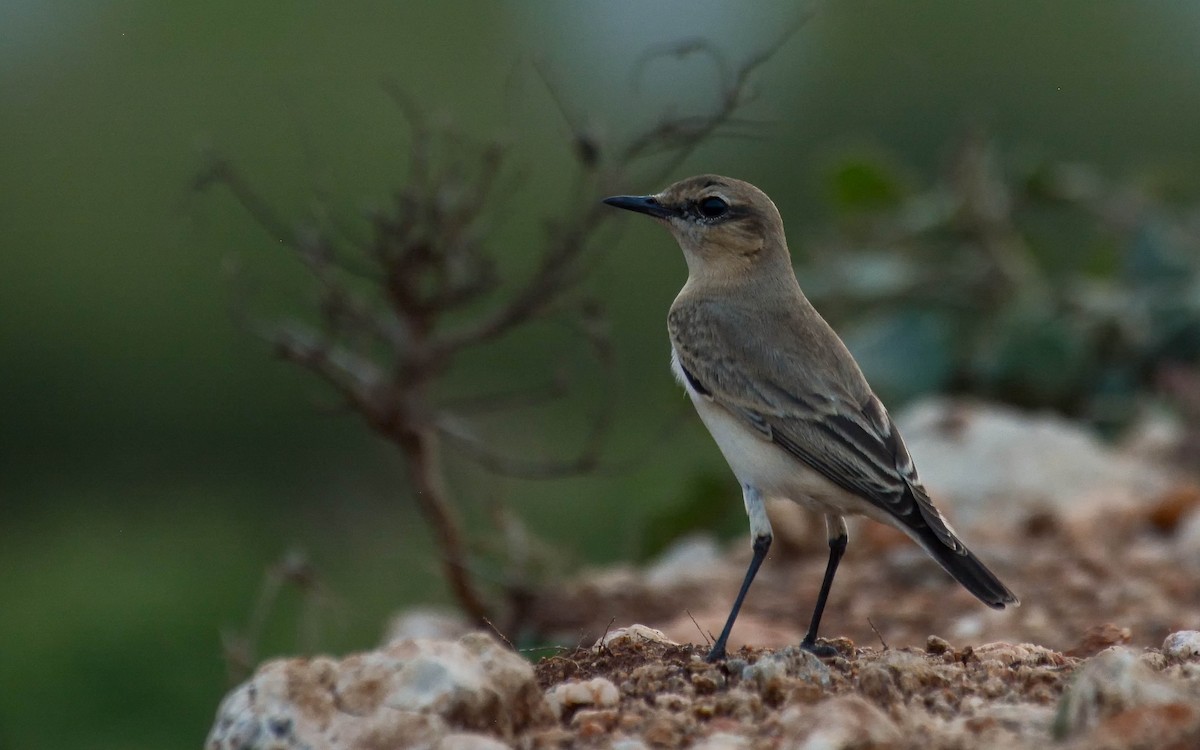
(154, 461)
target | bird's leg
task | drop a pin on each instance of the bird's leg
(760, 532)
(835, 526)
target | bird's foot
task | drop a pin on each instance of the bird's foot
(717, 654)
(823, 650)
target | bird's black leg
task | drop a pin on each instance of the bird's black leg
(760, 531)
(838, 538)
(761, 545)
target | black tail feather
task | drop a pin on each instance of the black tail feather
(966, 568)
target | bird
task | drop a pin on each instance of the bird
(782, 396)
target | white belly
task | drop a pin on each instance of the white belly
(759, 463)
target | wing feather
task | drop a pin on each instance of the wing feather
(825, 417)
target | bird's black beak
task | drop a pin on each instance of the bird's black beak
(643, 204)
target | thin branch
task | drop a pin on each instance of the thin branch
(516, 398)
(703, 635)
(220, 171)
(429, 255)
(697, 130)
(587, 150)
(877, 634)
(420, 448)
(680, 50)
(478, 450)
(356, 378)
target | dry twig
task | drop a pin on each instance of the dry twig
(396, 308)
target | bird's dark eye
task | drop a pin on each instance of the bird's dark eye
(712, 207)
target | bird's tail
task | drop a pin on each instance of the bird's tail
(966, 568)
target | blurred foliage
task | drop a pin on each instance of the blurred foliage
(960, 285)
(155, 464)
(705, 504)
(397, 308)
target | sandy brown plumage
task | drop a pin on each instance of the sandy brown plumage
(783, 397)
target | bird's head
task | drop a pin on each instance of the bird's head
(723, 225)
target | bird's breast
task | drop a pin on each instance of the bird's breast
(757, 462)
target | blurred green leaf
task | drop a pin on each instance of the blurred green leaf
(861, 185)
(710, 502)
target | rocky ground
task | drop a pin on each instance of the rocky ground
(1102, 546)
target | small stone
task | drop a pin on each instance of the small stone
(1182, 645)
(1012, 655)
(841, 644)
(791, 662)
(598, 692)
(735, 666)
(648, 678)
(767, 670)
(590, 723)
(633, 634)
(708, 682)
(911, 672)
(936, 645)
(805, 692)
(1156, 660)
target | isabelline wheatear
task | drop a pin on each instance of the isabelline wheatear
(780, 393)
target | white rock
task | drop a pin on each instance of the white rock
(406, 694)
(1015, 654)
(1182, 644)
(598, 692)
(789, 662)
(992, 464)
(633, 633)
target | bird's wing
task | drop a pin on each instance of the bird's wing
(838, 428)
